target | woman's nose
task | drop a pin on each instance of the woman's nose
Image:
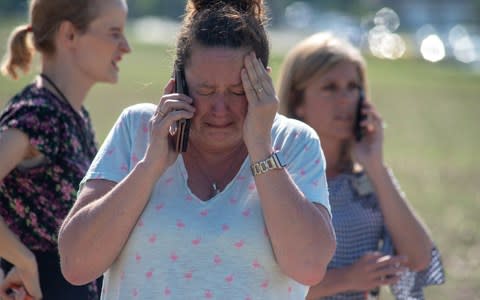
(347, 95)
(220, 103)
(125, 46)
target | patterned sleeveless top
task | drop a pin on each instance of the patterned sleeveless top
(35, 199)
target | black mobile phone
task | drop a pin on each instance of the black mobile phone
(359, 117)
(183, 125)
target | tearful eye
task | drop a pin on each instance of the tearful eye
(238, 93)
(205, 92)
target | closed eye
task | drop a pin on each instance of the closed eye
(205, 92)
(238, 93)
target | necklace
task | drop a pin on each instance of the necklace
(56, 88)
(77, 123)
(215, 188)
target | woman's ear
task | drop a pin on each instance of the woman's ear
(67, 33)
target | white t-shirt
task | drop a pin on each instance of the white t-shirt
(185, 248)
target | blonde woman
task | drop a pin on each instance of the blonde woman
(380, 239)
(46, 138)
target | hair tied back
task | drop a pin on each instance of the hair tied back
(252, 7)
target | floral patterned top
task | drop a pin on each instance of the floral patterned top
(35, 199)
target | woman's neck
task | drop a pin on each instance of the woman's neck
(68, 81)
(337, 156)
(211, 171)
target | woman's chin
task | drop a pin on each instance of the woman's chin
(342, 136)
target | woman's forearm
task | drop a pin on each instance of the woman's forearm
(100, 223)
(408, 233)
(14, 146)
(12, 249)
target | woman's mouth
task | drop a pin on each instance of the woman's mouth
(219, 125)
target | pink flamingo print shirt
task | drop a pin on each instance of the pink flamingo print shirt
(185, 248)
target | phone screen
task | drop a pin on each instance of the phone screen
(359, 117)
(183, 126)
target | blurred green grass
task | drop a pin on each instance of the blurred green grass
(432, 139)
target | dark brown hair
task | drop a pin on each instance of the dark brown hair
(223, 23)
(45, 19)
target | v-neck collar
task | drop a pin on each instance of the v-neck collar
(181, 168)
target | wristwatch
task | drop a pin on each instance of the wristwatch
(272, 162)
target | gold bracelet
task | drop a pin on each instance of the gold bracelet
(272, 162)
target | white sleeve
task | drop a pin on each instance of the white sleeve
(299, 146)
(306, 165)
(113, 160)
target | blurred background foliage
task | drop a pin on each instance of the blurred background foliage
(174, 8)
(391, 29)
(424, 77)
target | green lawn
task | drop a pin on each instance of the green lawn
(432, 112)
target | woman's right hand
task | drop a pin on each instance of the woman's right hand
(171, 108)
(375, 269)
(24, 280)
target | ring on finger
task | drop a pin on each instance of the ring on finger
(161, 113)
(259, 89)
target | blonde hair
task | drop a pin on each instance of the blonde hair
(45, 19)
(313, 57)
